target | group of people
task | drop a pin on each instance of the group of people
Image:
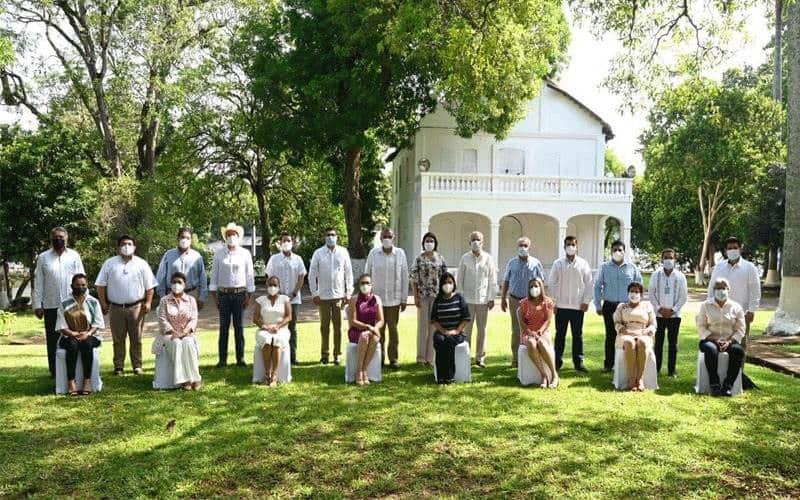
(449, 307)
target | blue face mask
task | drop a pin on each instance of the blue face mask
(330, 240)
(669, 264)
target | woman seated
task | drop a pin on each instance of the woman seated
(177, 319)
(272, 314)
(79, 321)
(635, 322)
(449, 317)
(535, 314)
(721, 327)
(366, 320)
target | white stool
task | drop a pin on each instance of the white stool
(527, 373)
(61, 372)
(164, 377)
(463, 371)
(284, 370)
(351, 364)
(621, 372)
(703, 385)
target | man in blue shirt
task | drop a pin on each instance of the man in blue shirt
(519, 272)
(611, 288)
(186, 260)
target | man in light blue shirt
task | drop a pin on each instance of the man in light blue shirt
(610, 289)
(519, 272)
(186, 260)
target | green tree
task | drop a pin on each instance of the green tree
(711, 145)
(333, 73)
(613, 165)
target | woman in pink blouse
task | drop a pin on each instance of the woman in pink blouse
(535, 314)
(177, 318)
(635, 322)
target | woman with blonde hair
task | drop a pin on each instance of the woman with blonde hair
(535, 314)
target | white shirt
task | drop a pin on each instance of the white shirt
(668, 292)
(125, 282)
(744, 280)
(52, 279)
(720, 323)
(570, 283)
(330, 275)
(477, 278)
(389, 275)
(288, 270)
(233, 269)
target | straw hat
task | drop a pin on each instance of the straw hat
(232, 227)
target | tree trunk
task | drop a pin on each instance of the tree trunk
(263, 217)
(699, 273)
(22, 287)
(351, 200)
(787, 318)
(7, 280)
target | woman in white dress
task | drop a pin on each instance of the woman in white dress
(272, 314)
(177, 319)
(635, 322)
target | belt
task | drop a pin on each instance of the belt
(514, 297)
(125, 306)
(231, 290)
(191, 289)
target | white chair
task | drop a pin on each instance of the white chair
(703, 385)
(61, 372)
(463, 369)
(164, 377)
(621, 372)
(527, 373)
(374, 373)
(284, 370)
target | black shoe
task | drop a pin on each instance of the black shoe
(119, 373)
(715, 390)
(673, 375)
(581, 369)
(726, 390)
(394, 365)
(323, 361)
(481, 364)
(241, 363)
(337, 360)
(221, 364)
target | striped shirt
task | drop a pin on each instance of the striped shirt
(450, 312)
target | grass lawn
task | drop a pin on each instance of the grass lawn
(405, 437)
(24, 326)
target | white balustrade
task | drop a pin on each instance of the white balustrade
(599, 187)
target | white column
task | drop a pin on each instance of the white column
(626, 237)
(601, 241)
(562, 233)
(494, 240)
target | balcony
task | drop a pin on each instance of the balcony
(513, 186)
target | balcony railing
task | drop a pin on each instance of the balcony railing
(519, 185)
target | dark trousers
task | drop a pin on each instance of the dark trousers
(735, 361)
(611, 333)
(565, 317)
(52, 336)
(445, 346)
(231, 306)
(293, 335)
(670, 326)
(82, 348)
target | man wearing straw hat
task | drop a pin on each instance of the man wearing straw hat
(231, 288)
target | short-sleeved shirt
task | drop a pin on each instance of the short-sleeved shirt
(125, 282)
(536, 315)
(450, 312)
(426, 272)
(288, 270)
(519, 272)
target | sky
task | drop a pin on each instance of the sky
(588, 66)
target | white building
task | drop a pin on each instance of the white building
(545, 180)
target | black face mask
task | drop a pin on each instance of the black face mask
(58, 243)
(78, 290)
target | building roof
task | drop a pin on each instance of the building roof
(606, 126)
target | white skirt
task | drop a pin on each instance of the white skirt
(280, 339)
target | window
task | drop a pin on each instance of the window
(511, 161)
(469, 161)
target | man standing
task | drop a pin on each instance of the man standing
(388, 268)
(611, 288)
(232, 285)
(52, 280)
(519, 272)
(477, 280)
(188, 261)
(290, 269)
(571, 288)
(125, 287)
(668, 292)
(330, 277)
(745, 287)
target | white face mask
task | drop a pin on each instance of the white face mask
(127, 250)
(634, 297)
(721, 294)
(475, 245)
(177, 288)
(522, 251)
(733, 254)
(387, 243)
(535, 291)
(365, 288)
(286, 246)
(232, 241)
(184, 243)
(447, 288)
(669, 264)
(272, 290)
(618, 255)
(330, 240)
(571, 250)
(429, 246)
